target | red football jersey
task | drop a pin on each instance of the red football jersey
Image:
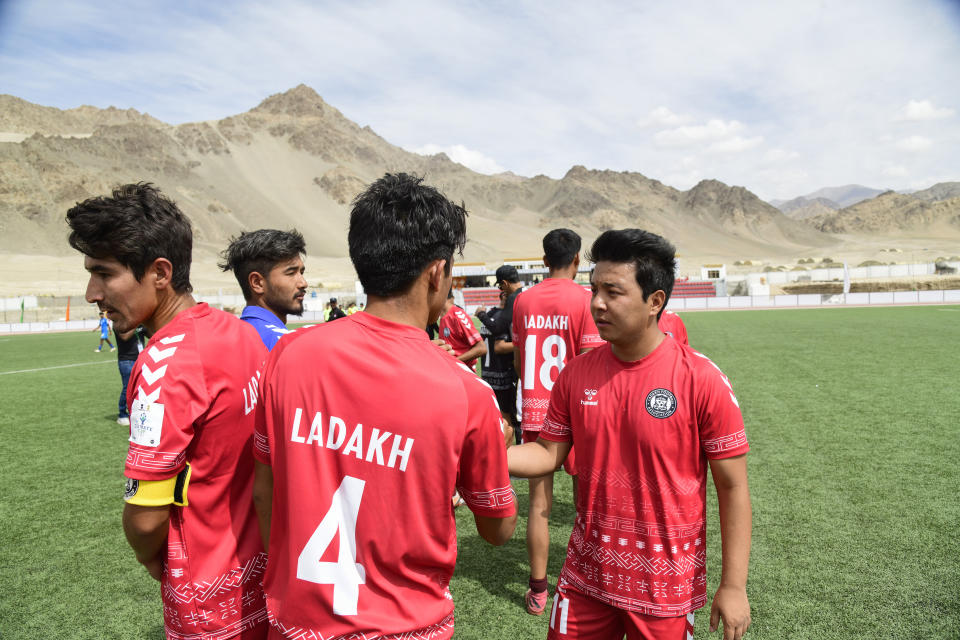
(643, 432)
(458, 330)
(671, 324)
(192, 394)
(551, 325)
(369, 429)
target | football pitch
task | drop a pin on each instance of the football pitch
(853, 419)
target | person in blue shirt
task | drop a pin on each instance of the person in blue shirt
(268, 265)
(104, 333)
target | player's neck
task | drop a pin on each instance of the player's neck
(633, 350)
(167, 309)
(399, 309)
(566, 273)
(258, 301)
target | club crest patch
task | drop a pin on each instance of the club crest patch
(131, 489)
(661, 403)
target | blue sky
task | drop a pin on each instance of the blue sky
(783, 98)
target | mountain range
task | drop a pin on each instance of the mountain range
(296, 161)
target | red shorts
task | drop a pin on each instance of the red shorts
(575, 616)
(569, 465)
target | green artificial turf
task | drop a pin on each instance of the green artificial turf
(854, 428)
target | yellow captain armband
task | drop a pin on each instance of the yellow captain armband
(156, 493)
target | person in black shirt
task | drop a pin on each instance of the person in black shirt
(508, 280)
(497, 368)
(129, 346)
(335, 311)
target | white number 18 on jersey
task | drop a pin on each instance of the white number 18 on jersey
(346, 575)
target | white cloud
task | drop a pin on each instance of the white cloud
(896, 171)
(779, 155)
(735, 144)
(687, 136)
(469, 158)
(914, 144)
(662, 117)
(924, 110)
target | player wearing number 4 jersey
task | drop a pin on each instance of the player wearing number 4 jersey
(551, 325)
(355, 473)
(647, 416)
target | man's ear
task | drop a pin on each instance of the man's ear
(576, 262)
(161, 271)
(257, 283)
(657, 300)
(436, 273)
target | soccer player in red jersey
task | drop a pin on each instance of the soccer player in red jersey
(354, 472)
(458, 330)
(189, 513)
(671, 325)
(648, 416)
(551, 325)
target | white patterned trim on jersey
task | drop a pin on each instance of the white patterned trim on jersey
(155, 460)
(261, 443)
(725, 443)
(251, 570)
(247, 622)
(502, 497)
(442, 629)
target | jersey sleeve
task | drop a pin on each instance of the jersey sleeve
(722, 433)
(167, 395)
(467, 329)
(482, 478)
(557, 425)
(263, 412)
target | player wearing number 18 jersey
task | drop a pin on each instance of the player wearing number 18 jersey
(551, 325)
(355, 473)
(648, 416)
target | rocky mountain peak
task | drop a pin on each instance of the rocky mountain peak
(301, 101)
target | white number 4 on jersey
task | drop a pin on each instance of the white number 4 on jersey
(346, 575)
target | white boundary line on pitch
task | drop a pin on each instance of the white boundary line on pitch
(61, 366)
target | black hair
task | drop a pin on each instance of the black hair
(560, 247)
(260, 251)
(398, 226)
(652, 255)
(134, 226)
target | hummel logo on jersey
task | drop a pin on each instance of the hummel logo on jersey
(661, 403)
(589, 395)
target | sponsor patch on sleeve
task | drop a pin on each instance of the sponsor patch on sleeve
(146, 423)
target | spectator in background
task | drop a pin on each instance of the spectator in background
(129, 346)
(352, 308)
(268, 265)
(335, 311)
(508, 279)
(458, 331)
(104, 328)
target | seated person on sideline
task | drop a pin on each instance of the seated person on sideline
(268, 264)
(366, 463)
(636, 562)
(189, 507)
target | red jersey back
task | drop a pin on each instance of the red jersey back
(192, 394)
(369, 428)
(643, 432)
(671, 324)
(551, 325)
(458, 330)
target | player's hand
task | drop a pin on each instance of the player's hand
(731, 606)
(508, 437)
(479, 310)
(443, 345)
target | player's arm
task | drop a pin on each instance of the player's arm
(496, 531)
(146, 530)
(502, 347)
(733, 496)
(478, 349)
(535, 459)
(263, 498)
